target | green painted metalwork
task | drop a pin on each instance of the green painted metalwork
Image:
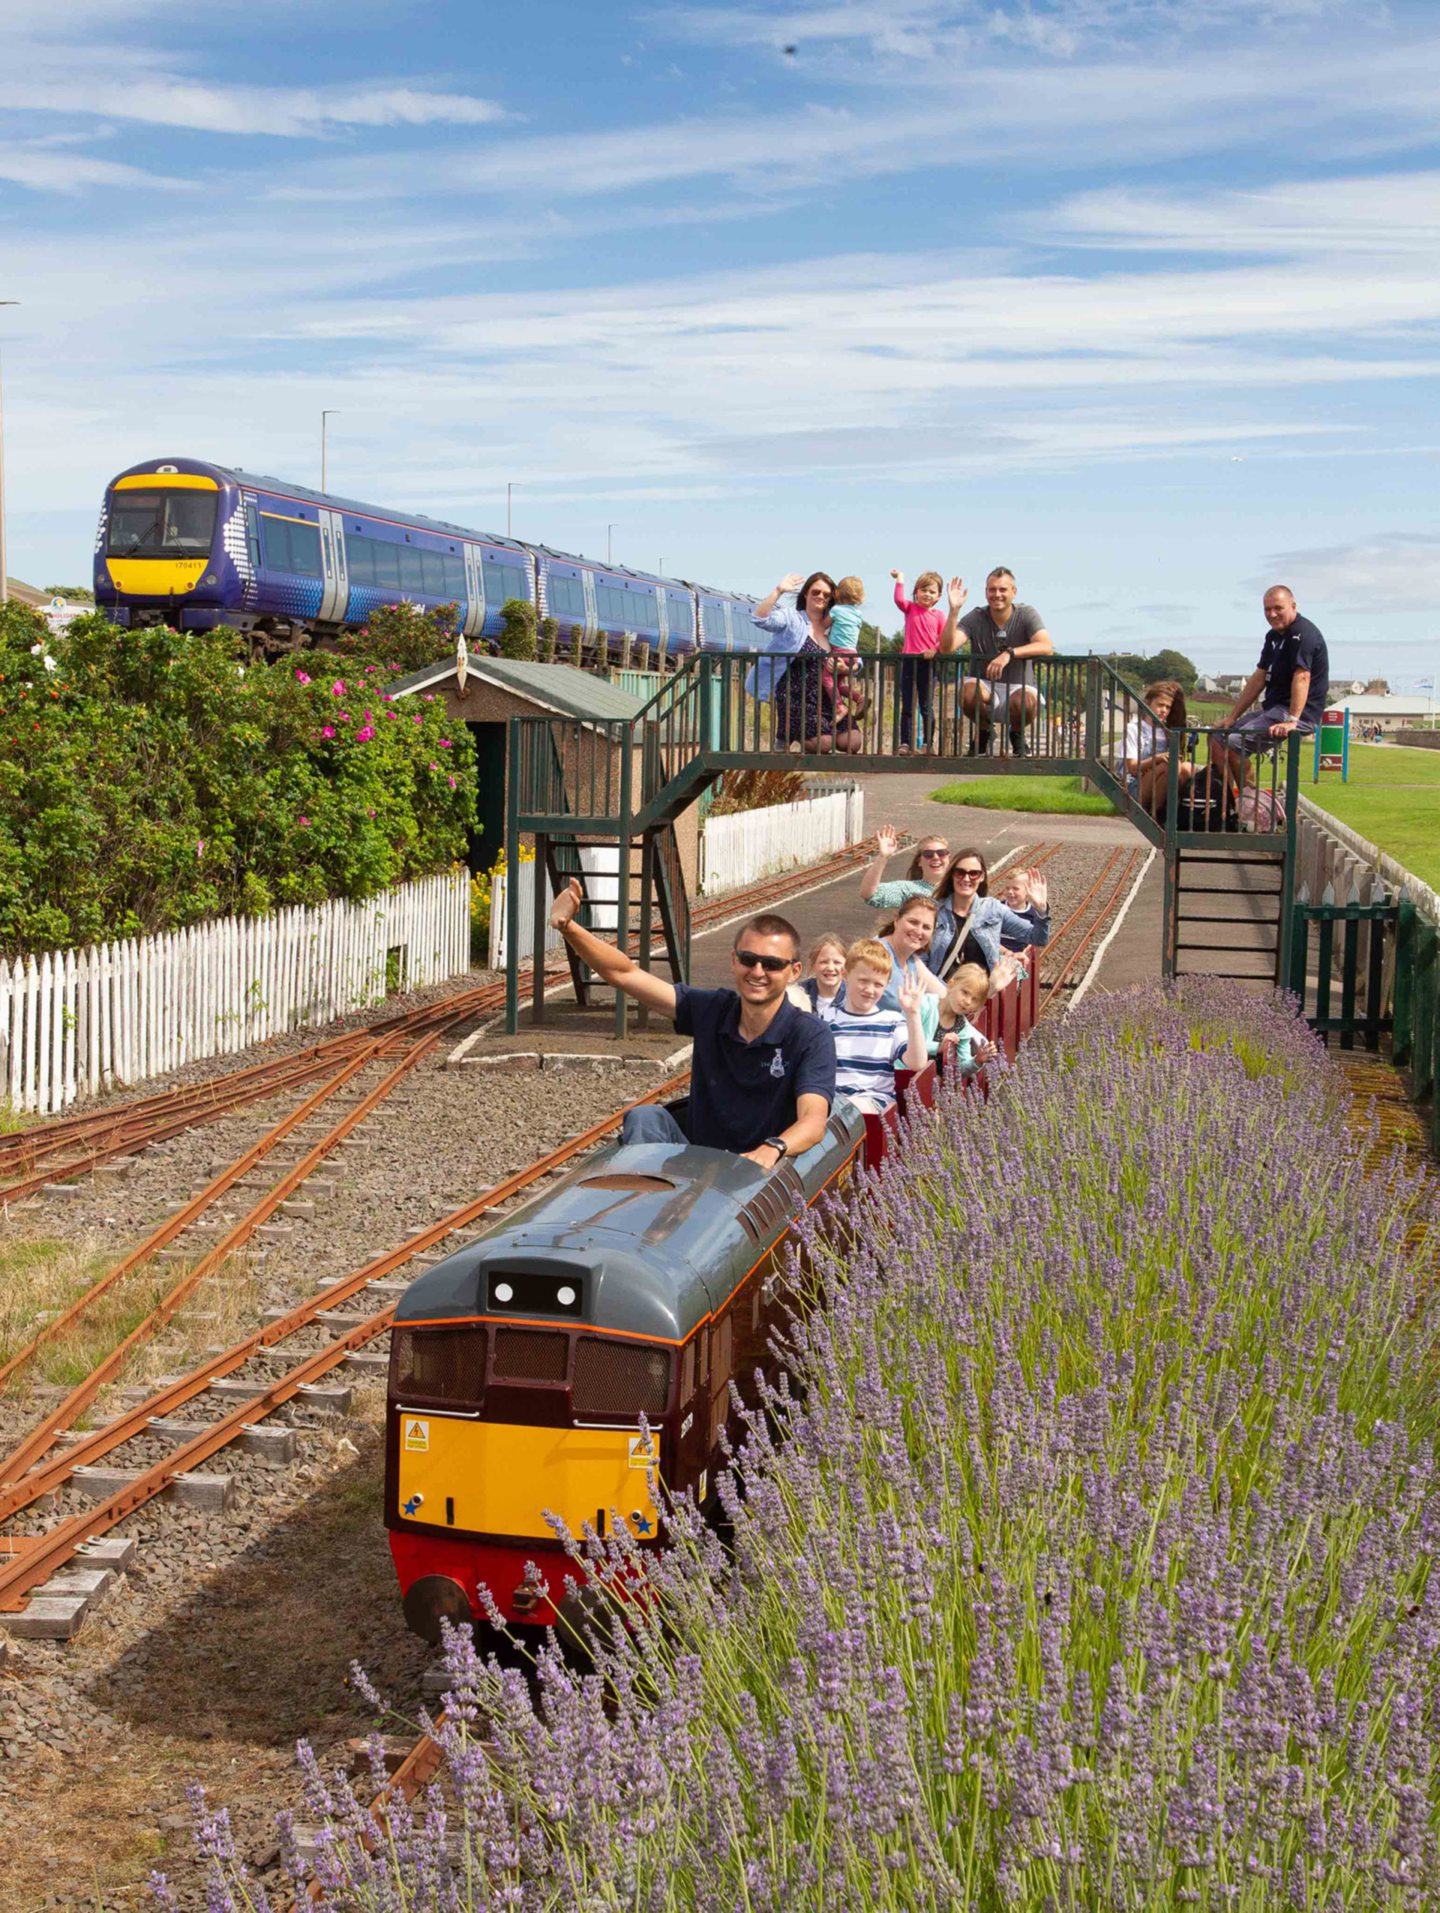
(1407, 925)
(615, 779)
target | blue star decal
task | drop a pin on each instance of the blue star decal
(413, 1504)
(642, 1523)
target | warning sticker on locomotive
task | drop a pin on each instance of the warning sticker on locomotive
(417, 1436)
(644, 1451)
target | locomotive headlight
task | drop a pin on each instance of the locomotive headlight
(533, 1292)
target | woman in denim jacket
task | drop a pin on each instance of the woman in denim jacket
(969, 922)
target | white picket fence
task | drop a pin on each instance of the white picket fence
(80, 1021)
(746, 845)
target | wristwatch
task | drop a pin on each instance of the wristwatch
(778, 1142)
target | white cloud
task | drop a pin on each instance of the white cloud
(50, 169)
(1005, 108)
(1374, 213)
(281, 111)
(1383, 572)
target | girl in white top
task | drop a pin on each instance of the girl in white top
(822, 989)
(1146, 750)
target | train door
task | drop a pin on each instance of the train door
(592, 616)
(474, 620)
(335, 597)
(663, 599)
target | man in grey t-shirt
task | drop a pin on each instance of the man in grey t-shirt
(1002, 639)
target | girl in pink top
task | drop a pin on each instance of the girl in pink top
(924, 621)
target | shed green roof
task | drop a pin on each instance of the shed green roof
(581, 693)
(559, 687)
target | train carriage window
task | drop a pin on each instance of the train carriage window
(359, 559)
(440, 1364)
(644, 613)
(453, 567)
(564, 597)
(531, 1355)
(432, 570)
(502, 582)
(412, 569)
(619, 1378)
(252, 533)
(712, 624)
(682, 617)
(612, 607)
(291, 545)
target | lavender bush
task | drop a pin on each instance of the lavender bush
(1093, 1570)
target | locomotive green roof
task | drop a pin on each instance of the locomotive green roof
(559, 687)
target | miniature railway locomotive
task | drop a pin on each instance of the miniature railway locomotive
(643, 1284)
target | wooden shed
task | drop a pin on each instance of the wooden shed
(497, 689)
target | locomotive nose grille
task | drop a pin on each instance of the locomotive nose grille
(531, 1355)
(441, 1364)
(619, 1378)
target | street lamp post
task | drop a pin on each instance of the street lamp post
(4, 556)
(325, 418)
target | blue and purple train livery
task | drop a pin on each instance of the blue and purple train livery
(196, 545)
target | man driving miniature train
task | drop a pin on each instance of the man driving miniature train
(762, 1074)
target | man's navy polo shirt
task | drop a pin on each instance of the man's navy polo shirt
(741, 1092)
(1299, 647)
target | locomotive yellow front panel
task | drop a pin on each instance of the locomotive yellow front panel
(486, 1477)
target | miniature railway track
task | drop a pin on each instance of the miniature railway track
(32, 1469)
(1084, 924)
(27, 1561)
(72, 1146)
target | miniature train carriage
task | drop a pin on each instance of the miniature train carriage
(521, 1366)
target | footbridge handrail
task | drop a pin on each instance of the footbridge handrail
(621, 780)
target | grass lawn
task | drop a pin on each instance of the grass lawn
(1054, 795)
(1393, 798)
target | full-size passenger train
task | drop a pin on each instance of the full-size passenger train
(196, 545)
(642, 1285)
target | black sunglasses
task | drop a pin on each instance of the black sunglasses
(747, 959)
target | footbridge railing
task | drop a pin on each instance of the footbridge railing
(624, 779)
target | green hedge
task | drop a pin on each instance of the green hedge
(150, 780)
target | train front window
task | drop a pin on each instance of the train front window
(439, 1364)
(162, 524)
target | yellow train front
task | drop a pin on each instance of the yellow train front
(521, 1366)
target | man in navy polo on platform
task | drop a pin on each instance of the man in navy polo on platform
(762, 1076)
(1293, 673)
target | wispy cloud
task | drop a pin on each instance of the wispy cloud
(51, 169)
(1393, 212)
(1384, 572)
(285, 112)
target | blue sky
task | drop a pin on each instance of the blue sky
(1139, 299)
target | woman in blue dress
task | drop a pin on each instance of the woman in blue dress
(802, 691)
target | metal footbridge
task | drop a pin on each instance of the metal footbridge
(586, 788)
